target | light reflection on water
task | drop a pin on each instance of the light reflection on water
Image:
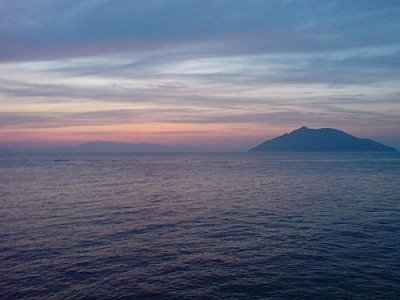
(203, 226)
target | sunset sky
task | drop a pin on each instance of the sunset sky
(222, 74)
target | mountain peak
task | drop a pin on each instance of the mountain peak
(305, 139)
(303, 128)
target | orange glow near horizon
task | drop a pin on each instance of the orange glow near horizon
(213, 135)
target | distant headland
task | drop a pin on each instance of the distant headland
(320, 140)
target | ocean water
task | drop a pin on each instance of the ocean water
(200, 226)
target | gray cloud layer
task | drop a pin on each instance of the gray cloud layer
(43, 28)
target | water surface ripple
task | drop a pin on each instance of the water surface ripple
(200, 226)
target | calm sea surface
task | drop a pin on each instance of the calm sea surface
(200, 226)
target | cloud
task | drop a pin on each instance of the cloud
(204, 63)
(47, 28)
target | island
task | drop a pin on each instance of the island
(320, 140)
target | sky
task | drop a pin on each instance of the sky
(216, 74)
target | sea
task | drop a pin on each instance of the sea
(200, 226)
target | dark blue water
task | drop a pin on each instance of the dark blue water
(200, 226)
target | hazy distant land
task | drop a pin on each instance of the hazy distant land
(104, 147)
(300, 140)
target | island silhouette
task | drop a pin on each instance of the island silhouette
(320, 140)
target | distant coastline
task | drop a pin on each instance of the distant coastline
(303, 139)
(102, 147)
